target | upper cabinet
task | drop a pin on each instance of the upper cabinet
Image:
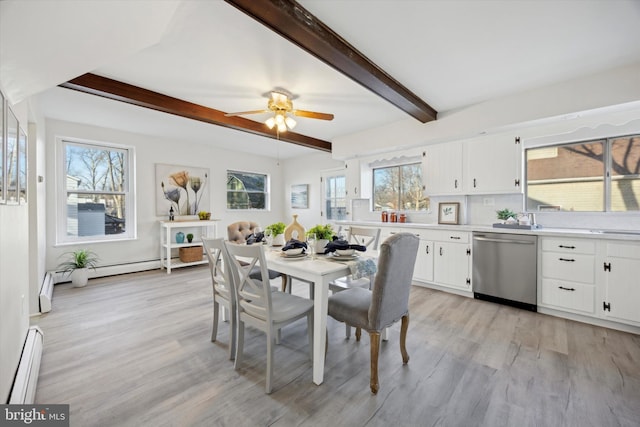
(442, 169)
(486, 165)
(492, 165)
(352, 178)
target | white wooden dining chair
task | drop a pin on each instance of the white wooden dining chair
(261, 308)
(223, 288)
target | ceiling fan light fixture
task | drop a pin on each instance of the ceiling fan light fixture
(290, 122)
(282, 127)
(270, 122)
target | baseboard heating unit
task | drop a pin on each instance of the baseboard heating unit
(24, 385)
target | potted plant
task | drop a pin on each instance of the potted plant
(77, 267)
(323, 233)
(189, 237)
(204, 215)
(276, 233)
(505, 214)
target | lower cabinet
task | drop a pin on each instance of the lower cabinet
(451, 266)
(621, 269)
(423, 270)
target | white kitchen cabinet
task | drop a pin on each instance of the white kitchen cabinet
(442, 169)
(492, 165)
(452, 259)
(168, 244)
(622, 282)
(568, 274)
(423, 270)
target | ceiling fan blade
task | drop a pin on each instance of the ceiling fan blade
(313, 114)
(243, 113)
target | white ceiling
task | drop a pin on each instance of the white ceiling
(452, 54)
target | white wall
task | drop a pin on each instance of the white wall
(150, 151)
(614, 87)
(14, 283)
(307, 170)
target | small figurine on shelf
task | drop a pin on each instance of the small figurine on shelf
(171, 217)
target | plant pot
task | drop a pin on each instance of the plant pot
(278, 240)
(79, 277)
(320, 245)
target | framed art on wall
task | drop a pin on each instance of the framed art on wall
(183, 188)
(448, 213)
(300, 196)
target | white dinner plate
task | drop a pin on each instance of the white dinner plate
(292, 257)
(344, 257)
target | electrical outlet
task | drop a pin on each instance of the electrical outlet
(488, 201)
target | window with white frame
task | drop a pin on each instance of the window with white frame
(399, 188)
(588, 176)
(96, 192)
(335, 197)
(247, 190)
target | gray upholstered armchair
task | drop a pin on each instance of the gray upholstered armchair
(388, 302)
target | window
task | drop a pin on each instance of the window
(247, 190)
(97, 202)
(600, 175)
(335, 197)
(399, 188)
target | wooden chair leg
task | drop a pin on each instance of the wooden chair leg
(403, 338)
(375, 350)
(239, 345)
(358, 334)
(285, 281)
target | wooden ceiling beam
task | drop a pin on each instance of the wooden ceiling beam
(124, 92)
(299, 26)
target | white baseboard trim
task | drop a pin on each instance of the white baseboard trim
(24, 385)
(112, 270)
(46, 293)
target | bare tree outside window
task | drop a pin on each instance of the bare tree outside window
(399, 188)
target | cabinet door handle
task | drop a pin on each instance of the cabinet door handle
(566, 247)
(454, 237)
(455, 183)
(474, 183)
(567, 259)
(440, 250)
(566, 289)
(427, 249)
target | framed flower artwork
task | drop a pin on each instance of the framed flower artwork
(184, 189)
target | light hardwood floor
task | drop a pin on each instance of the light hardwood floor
(135, 350)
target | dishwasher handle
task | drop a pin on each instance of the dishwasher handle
(487, 239)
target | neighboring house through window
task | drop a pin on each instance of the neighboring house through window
(246, 190)
(96, 188)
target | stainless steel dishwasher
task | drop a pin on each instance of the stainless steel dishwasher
(505, 268)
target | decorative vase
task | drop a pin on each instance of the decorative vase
(294, 230)
(179, 237)
(279, 240)
(80, 277)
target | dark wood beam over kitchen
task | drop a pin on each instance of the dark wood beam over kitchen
(299, 26)
(119, 91)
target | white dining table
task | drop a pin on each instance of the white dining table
(320, 271)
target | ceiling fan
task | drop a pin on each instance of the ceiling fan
(281, 105)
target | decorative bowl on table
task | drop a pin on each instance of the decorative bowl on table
(345, 252)
(293, 251)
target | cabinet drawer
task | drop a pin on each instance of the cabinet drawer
(568, 295)
(572, 267)
(448, 236)
(576, 246)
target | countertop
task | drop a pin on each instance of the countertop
(630, 235)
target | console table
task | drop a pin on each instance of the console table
(168, 230)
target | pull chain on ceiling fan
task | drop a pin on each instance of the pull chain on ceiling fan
(282, 106)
